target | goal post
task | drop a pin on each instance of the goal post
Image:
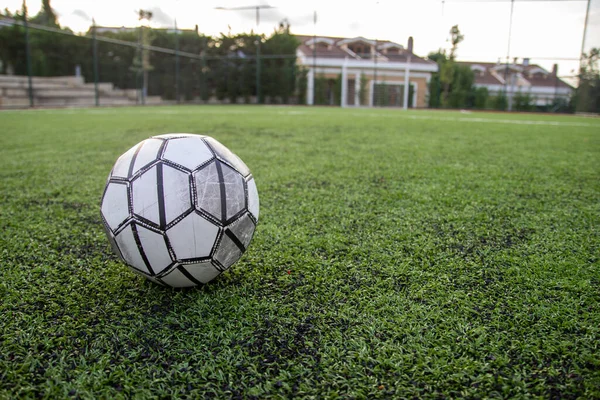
(344, 94)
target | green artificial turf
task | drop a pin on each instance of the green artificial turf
(398, 254)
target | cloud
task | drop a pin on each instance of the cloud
(302, 20)
(269, 16)
(81, 14)
(355, 26)
(161, 18)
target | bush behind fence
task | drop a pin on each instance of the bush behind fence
(143, 65)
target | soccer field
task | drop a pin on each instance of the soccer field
(398, 254)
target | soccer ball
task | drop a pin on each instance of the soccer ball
(179, 209)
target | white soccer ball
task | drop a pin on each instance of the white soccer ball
(180, 209)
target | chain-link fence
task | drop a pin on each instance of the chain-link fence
(48, 66)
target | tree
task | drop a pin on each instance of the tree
(141, 64)
(524, 101)
(455, 38)
(480, 98)
(587, 95)
(232, 74)
(224, 66)
(46, 16)
(590, 66)
(302, 84)
(461, 93)
(322, 89)
(447, 67)
(499, 102)
(12, 45)
(435, 84)
(453, 85)
(52, 53)
(279, 74)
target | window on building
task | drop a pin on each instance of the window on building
(478, 70)
(361, 49)
(322, 46)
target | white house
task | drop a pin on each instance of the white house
(524, 78)
(380, 68)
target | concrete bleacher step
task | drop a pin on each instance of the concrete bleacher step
(55, 80)
(65, 91)
(55, 102)
(102, 87)
(14, 101)
(36, 85)
(83, 102)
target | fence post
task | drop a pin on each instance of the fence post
(292, 80)
(407, 76)
(176, 63)
(95, 61)
(28, 55)
(204, 84)
(241, 68)
(144, 73)
(344, 78)
(141, 74)
(258, 88)
(138, 72)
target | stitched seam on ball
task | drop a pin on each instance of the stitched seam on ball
(186, 273)
(132, 163)
(222, 192)
(138, 242)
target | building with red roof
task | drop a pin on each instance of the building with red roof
(374, 72)
(545, 87)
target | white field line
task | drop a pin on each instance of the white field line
(483, 120)
(516, 121)
(163, 112)
(292, 112)
(211, 110)
(124, 110)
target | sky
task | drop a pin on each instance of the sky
(548, 32)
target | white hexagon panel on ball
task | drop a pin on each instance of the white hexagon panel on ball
(180, 209)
